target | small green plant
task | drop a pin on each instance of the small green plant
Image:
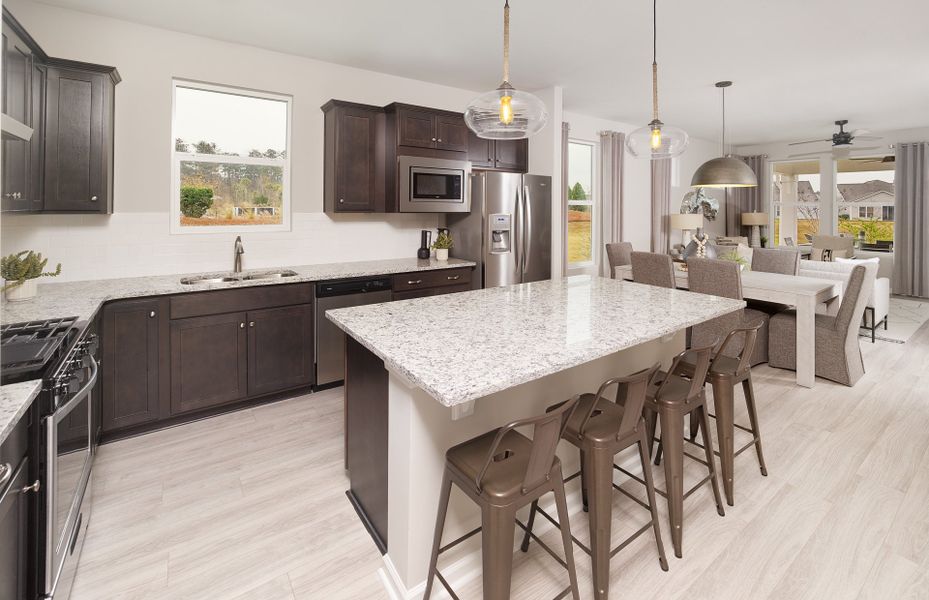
(16, 269)
(195, 201)
(442, 242)
(261, 200)
(764, 242)
(734, 257)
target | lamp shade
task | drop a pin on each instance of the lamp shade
(686, 221)
(724, 172)
(754, 218)
(525, 116)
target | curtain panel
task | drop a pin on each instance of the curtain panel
(565, 136)
(612, 151)
(911, 220)
(740, 200)
(661, 205)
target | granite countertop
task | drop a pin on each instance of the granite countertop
(472, 344)
(83, 298)
(15, 399)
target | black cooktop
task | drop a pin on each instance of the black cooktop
(27, 347)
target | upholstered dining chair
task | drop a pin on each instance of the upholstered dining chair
(785, 261)
(838, 355)
(653, 269)
(618, 254)
(718, 277)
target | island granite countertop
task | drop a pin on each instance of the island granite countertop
(82, 299)
(472, 344)
(15, 399)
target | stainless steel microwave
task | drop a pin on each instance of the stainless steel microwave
(434, 185)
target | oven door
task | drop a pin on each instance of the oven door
(69, 442)
(434, 185)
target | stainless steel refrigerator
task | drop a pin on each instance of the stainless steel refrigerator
(508, 232)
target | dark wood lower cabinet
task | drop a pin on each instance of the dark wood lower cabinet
(208, 362)
(14, 534)
(280, 349)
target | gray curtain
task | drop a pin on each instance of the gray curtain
(565, 136)
(911, 220)
(612, 146)
(740, 200)
(661, 205)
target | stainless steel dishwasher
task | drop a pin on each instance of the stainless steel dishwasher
(330, 341)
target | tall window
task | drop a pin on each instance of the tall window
(581, 203)
(865, 199)
(795, 195)
(230, 159)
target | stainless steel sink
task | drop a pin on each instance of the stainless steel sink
(270, 275)
(203, 279)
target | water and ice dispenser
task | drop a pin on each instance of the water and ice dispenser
(501, 233)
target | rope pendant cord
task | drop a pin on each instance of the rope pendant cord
(506, 41)
(655, 59)
(724, 121)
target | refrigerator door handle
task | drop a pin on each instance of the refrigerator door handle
(527, 230)
(517, 236)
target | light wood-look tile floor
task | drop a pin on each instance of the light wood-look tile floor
(251, 505)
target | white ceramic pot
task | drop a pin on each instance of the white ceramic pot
(23, 292)
(441, 253)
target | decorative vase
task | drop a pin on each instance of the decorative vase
(25, 291)
(441, 253)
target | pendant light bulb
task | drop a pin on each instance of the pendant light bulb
(506, 109)
(656, 135)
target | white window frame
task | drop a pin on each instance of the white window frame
(593, 203)
(178, 157)
(862, 212)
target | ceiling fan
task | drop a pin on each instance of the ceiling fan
(842, 141)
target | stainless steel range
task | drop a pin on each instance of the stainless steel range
(65, 442)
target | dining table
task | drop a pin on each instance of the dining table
(805, 294)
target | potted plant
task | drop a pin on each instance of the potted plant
(734, 257)
(764, 242)
(442, 244)
(21, 272)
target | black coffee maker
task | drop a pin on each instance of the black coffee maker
(425, 241)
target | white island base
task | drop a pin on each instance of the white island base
(420, 431)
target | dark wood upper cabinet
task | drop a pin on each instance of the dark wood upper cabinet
(134, 353)
(480, 151)
(353, 169)
(417, 128)
(280, 349)
(67, 164)
(451, 133)
(208, 362)
(501, 155)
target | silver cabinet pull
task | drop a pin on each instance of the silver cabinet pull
(341, 200)
(433, 139)
(242, 325)
(6, 471)
(151, 315)
(251, 323)
(439, 140)
(93, 198)
(414, 282)
(35, 486)
(453, 277)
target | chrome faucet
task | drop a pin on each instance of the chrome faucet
(238, 251)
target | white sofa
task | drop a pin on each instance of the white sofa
(878, 305)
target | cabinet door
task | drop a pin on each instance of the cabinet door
(133, 357)
(417, 128)
(451, 133)
(75, 173)
(280, 349)
(480, 151)
(14, 534)
(512, 155)
(208, 362)
(355, 159)
(17, 103)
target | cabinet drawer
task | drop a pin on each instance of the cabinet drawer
(436, 291)
(226, 301)
(428, 279)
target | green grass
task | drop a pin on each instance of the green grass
(579, 241)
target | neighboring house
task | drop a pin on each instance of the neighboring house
(872, 200)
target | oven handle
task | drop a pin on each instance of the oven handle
(63, 411)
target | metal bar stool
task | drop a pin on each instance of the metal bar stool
(503, 471)
(671, 396)
(600, 429)
(725, 373)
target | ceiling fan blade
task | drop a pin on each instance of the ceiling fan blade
(809, 142)
(857, 149)
(868, 137)
(805, 154)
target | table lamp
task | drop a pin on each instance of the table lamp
(687, 222)
(755, 220)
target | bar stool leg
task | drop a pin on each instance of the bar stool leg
(439, 526)
(753, 419)
(723, 392)
(651, 421)
(600, 475)
(711, 462)
(584, 499)
(650, 489)
(672, 438)
(529, 523)
(498, 528)
(565, 527)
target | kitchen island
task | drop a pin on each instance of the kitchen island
(423, 375)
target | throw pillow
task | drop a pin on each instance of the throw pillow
(858, 261)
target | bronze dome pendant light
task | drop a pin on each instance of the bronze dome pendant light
(725, 171)
(656, 140)
(506, 113)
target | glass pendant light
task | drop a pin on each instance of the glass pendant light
(726, 171)
(656, 140)
(506, 113)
